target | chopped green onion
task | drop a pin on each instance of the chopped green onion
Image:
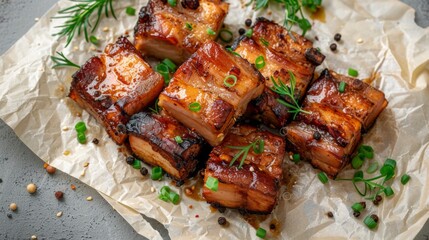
(174, 197)
(249, 33)
(388, 191)
(265, 42)
(367, 151)
(210, 32)
(405, 178)
(188, 26)
(195, 107)
(212, 183)
(353, 72)
(80, 127)
(296, 158)
(322, 177)
(372, 168)
(163, 198)
(228, 37)
(94, 40)
(260, 62)
(228, 83)
(137, 164)
(387, 171)
(231, 51)
(370, 222)
(81, 138)
(172, 3)
(357, 207)
(261, 233)
(390, 162)
(258, 146)
(130, 11)
(342, 87)
(167, 195)
(357, 162)
(156, 173)
(170, 65)
(165, 190)
(178, 139)
(164, 71)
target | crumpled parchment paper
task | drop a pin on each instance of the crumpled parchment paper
(393, 56)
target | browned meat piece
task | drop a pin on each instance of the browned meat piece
(177, 32)
(198, 97)
(325, 136)
(359, 99)
(282, 53)
(255, 186)
(115, 85)
(153, 139)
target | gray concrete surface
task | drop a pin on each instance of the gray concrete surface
(36, 214)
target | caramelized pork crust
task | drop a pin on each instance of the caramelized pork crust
(115, 85)
(255, 186)
(199, 97)
(160, 140)
(359, 99)
(283, 52)
(164, 31)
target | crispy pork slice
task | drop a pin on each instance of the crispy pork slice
(325, 136)
(283, 52)
(359, 99)
(255, 186)
(210, 91)
(160, 140)
(115, 85)
(176, 32)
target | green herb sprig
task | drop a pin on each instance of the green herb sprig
(257, 146)
(156, 109)
(62, 61)
(284, 90)
(79, 16)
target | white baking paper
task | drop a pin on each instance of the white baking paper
(379, 39)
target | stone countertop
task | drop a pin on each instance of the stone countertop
(81, 219)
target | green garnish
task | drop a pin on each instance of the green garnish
(257, 146)
(282, 89)
(358, 207)
(195, 107)
(370, 222)
(210, 32)
(357, 162)
(229, 36)
(130, 11)
(342, 87)
(232, 51)
(156, 173)
(178, 139)
(264, 42)
(367, 151)
(168, 195)
(172, 3)
(164, 71)
(188, 26)
(261, 233)
(228, 83)
(249, 33)
(322, 177)
(388, 191)
(372, 168)
(405, 178)
(62, 61)
(156, 108)
(79, 15)
(170, 64)
(259, 62)
(296, 158)
(94, 40)
(137, 164)
(353, 72)
(80, 127)
(212, 183)
(81, 138)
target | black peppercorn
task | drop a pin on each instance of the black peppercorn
(333, 46)
(248, 22)
(241, 31)
(191, 4)
(144, 171)
(378, 198)
(272, 226)
(363, 204)
(95, 141)
(375, 202)
(130, 160)
(356, 214)
(9, 215)
(374, 217)
(221, 221)
(337, 37)
(330, 214)
(316, 135)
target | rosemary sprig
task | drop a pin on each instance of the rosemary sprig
(257, 146)
(156, 109)
(79, 16)
(293, 11)
(282, 89)
(62, 61)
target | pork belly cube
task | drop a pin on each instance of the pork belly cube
(160, 140)
(283, 52)
(359, 99)
(255, 186)
(202, 97)
(115, 85)
(164, 31)
(325, 136)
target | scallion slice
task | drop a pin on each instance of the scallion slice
(353, 72)
(258, 147)
(211, 32)
(195, 107)
(80, 127)
(260, 62)
(367, 151)
(156, 173)
(388, 191)
(225, 35)
(405, 178)
(372, 168)
(81, 138)
(170, 65)
(264, 42)
(342, 87)
(296, 158)
(94, 40)
(188, 26)
(322, 177)
(249, 33)
(172, 3)
(357, 207)
(230, 81)
(164, 71)
(212, 183)
(178, 139)
(261, 233)
(370, 222)
(130, 11)
(174, 197)
(137, 164)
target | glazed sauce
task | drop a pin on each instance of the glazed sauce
(255, 220)
(275, 232)
(319, 15)
(374, 76)
(213, 209)
(197, 182)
